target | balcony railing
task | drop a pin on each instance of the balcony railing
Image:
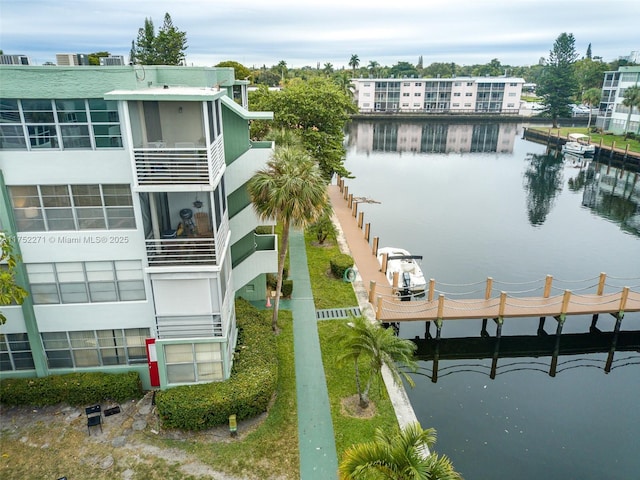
(171, 166)
(181, 251)
(193, 326)
(183, 164)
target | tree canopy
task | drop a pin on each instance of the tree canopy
(10, 291)
(241, 72)
(397, 455)
(164, 48)
(290, 190)
(558, 85)
(319, 109)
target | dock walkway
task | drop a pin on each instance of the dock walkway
(389, 308)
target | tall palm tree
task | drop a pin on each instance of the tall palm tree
(291, 190)
(354, 62)
(631, 100)
(373, 68)
(376, 346)
(400, 455)
(590, 98)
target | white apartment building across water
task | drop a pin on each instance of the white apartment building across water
(499, 95)
(124, 188)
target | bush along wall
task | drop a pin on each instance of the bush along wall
(246, 393)
(75, 389)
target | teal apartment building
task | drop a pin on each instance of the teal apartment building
(124, 188)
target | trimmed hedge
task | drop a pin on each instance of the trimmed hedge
(339, 263)
(287, 288)
(246, 394)
(72, 388)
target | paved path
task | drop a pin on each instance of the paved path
(318, 458)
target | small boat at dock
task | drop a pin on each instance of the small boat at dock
(411, 280)
(578, 144)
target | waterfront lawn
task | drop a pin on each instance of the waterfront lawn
(607, 139)
(330, 292)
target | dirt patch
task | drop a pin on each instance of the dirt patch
(126, 437)
(351, 408)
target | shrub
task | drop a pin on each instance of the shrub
(287, 288)
(340, 263)
(264, 230)
(246, 394)
(72, 388)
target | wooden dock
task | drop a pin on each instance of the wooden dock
(552, 138)
(389, 307)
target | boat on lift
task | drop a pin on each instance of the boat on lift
(411, 280)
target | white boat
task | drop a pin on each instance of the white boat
(410, 277)
(578, 144)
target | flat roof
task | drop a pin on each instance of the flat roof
(167, 93)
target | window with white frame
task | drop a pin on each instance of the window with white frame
(193, 362)
(95, 348)
(72, 207)
(86, 282)
(59, 124)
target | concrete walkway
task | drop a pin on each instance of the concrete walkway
(318, 458)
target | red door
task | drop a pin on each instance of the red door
(152, 359)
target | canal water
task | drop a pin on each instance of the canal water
(478, 201)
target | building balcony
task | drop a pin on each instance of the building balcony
(189, 251)
(262, 258)
(183, 164)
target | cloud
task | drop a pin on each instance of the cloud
(304, 33)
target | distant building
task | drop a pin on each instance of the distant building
(112, 60)
(439, 95)
(613, 115)
(125, 188)
(633, 57)
(14, 60)
(71, 59)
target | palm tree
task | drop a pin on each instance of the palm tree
(282, 69)
(590, 98)
(284, 137)
(375, 346)
(354, 62)
(631, 100)
(401, 455)
(291, 190)
(373, 68)
(328, 69)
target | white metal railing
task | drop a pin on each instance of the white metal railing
(216, 157)
(191, 326)
(187, 166)
(181, 251)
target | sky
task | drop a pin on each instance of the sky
(308, 32)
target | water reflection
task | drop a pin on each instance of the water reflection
(577, 346)
(421, 137)
(611, 193)
(542, 182)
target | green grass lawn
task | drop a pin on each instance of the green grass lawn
(607, 139)
(328, 292)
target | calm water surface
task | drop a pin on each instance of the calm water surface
(479, 201)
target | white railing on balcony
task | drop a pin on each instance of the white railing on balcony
(156, 166)
(192, 326)
(216, 157)
(181, 251)
(223, 232)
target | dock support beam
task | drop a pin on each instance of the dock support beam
(541, 326)
(614, 343)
